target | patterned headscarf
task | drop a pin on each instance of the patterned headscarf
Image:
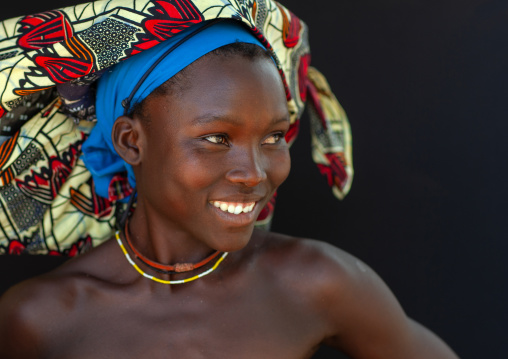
(49, 65)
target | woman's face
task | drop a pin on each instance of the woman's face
(214, 153)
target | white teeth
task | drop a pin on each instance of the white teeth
(234, 208)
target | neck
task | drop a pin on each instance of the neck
(161, 242)
(165, 268)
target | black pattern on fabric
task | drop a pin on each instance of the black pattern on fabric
(25, 211)
(22, 109)
(109, 40)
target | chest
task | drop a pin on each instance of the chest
(225, 323)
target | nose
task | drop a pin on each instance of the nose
(247, 168)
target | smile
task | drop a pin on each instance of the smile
(234, 207)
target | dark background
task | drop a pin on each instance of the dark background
(425, 86)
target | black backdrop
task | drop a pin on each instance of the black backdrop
(424, 85)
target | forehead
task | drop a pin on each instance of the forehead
(226, 85)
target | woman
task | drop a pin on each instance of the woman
(199, 123)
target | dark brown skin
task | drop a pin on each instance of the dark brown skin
(274, 296)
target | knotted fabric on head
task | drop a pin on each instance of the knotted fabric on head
(158, 66)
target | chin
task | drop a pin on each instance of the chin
(234, 241)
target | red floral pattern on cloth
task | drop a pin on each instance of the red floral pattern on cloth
(93, 205)
(81, 246)
(63, 70)
(291, 28)
(44, 29)
(167, 18)
(119, 187)
(45, 183)
(334, 173)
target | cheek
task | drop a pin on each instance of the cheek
(280, 165)
(191, 172)
(184, 187)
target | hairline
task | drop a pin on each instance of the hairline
(175, 85)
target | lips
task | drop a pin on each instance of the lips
(234, 207)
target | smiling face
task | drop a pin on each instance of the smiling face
(212, 155)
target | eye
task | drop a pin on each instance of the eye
(273, 139)
(218, 139)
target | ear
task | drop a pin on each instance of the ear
(128, 138)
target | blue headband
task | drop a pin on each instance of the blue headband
(120, 84)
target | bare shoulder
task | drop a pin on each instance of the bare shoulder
(41, 308)
(28, 311)
(362, 316)
(321, 265)
(327, 277)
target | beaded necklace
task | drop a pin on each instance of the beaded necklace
(162, 280)
(165, 268)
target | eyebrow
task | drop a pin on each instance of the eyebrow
(212, 117)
